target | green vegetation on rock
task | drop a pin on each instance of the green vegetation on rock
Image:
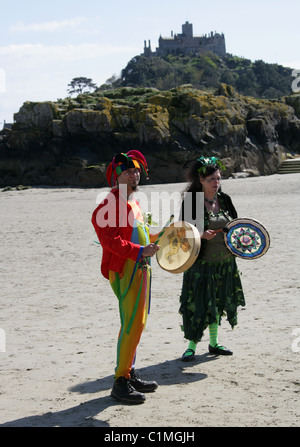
(208, 71)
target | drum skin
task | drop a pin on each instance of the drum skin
(179, 247)
(246, 238)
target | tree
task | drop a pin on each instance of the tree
(81, 85)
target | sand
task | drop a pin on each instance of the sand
(59, 321)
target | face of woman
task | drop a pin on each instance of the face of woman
(211, 183)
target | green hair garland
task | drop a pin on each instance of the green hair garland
(209, 161)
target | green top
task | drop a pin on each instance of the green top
(215, 249)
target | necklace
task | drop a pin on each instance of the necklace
(211, 202)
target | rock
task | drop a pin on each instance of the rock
(294, 101)
(70, 143)
(57, 128)
(152, 124)
(81, 121)
(222, 126)
(36, 114)
(124, 116)
(243, 174)
(261, 130)
(225, 90)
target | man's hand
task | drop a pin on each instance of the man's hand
(150, 250)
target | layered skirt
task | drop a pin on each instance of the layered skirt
(210, 291)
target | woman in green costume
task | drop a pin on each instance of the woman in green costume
(211, 287)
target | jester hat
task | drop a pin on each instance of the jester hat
(121, 162)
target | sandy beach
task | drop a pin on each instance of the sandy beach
(59, 321)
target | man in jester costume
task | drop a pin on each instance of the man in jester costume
(127, 249)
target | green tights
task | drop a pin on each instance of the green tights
(213, 337)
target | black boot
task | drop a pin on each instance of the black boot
(124, 392)
(141, 385)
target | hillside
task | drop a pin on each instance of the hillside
(206, 72)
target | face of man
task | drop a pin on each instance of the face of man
(131, 178)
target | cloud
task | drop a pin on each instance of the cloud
(52, 26)
(39, 72)
(64, 53)
(2, 81)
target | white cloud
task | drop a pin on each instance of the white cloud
(2, 81)
(54, 25)
(39, 54)
(36, 72)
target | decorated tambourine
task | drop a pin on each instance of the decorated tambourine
(246, 238)
(179, 247)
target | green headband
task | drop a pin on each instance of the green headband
(209, 161)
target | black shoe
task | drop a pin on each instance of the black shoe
(188, 355)
(219, 350)
(124, 392)
(141, 385)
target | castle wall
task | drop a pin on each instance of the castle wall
(186, 43)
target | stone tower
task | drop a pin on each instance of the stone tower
(186, 43)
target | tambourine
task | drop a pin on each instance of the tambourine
(179, 247)
(246, 238)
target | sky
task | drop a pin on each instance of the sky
(44, 45)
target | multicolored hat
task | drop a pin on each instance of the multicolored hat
(121, 162)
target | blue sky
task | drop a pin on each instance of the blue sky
(44, 45)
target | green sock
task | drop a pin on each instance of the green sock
(192, 345)
(213, 335)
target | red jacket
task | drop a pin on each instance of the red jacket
(112, 224)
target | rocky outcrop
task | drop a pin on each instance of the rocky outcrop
(72, 141)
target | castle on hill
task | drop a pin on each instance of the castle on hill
(186, 43)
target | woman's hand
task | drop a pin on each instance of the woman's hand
(208, 234)
(150, 250)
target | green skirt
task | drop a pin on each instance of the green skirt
(210, 290)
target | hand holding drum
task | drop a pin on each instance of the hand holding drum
(180, 242)
(246, 238)
(150, 250)
(180, 246)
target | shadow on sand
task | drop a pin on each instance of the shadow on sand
(167, 373)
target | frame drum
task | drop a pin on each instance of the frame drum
(179, 247)
(246, 238)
